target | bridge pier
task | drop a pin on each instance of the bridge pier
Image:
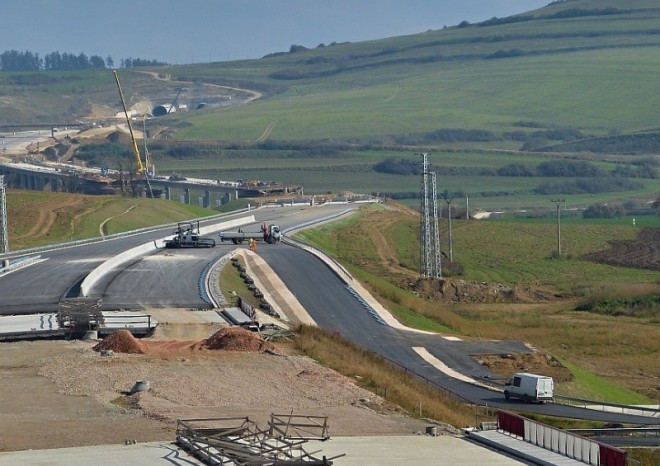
(185, 198)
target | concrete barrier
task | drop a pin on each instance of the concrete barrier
(148, 248)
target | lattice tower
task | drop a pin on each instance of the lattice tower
(429, 245)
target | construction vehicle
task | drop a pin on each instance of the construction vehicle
(187, 235)
(142, 168)
(268, 233)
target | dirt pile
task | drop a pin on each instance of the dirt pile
(237, 339)
(228, 339)
(535, 363)
(463, 291)
(122, 341)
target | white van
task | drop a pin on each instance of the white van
(530, 387)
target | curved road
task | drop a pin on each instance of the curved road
(334, 308)
(170, 278)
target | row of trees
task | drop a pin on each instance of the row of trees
(13, 60)
(549, 169)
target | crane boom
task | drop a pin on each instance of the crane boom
(136, 151)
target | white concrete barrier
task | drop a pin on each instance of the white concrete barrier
(148, 248)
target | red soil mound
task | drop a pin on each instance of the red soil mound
(237, 339)
(122, 341)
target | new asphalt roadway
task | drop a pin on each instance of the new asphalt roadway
(170, 278)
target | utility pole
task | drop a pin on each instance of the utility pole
(4, 242)
(559, 202)
(448, 199)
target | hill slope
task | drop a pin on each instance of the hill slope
(490, 101)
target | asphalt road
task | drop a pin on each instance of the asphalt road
(334, 308)
(167, 278)
(170, 278)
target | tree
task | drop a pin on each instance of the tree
(96, 62)
(603, 211)
(109, 62)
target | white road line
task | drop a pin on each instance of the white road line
(441, 366)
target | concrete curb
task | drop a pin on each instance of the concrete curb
(148, 248)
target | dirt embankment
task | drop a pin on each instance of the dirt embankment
(463, 291)
(642, 252)
(536, 363)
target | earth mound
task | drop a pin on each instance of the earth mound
(237, 339)
(464, 291)
(121, 341)
(536, 363)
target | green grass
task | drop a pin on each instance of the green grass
(337, 110)
(77, 216)
(593, 387)
(596, 346)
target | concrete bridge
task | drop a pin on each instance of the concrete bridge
(65, 178)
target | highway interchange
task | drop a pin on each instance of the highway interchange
(169, 278)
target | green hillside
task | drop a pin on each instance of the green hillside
(592, 69)
(491, 102)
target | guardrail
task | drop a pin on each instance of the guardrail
(611, 407)
(634, 410)
(99, 239)
(19, 263)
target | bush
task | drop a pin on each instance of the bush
(569, 168)
(604, 211)
(516, 169)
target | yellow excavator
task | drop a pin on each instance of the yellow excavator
(142, 168)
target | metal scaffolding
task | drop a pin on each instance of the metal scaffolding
(430, 258)
(238, 441)
(4, 241)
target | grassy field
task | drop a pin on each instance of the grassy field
(47, 218)
(573, 87)
(611, 357)
(353, 171)
(590, 72)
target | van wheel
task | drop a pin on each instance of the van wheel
(506, 395)
(526, 398)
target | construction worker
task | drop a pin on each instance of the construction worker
(253, 245)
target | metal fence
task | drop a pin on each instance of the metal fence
(559, 441)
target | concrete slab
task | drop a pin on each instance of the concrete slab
(186, 316)
(28, 323)
(522, 449)
(411, 450)
(141, 454)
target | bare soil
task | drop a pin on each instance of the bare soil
(464, 291)
(67, 393)
(534, 363)
(642, 252)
